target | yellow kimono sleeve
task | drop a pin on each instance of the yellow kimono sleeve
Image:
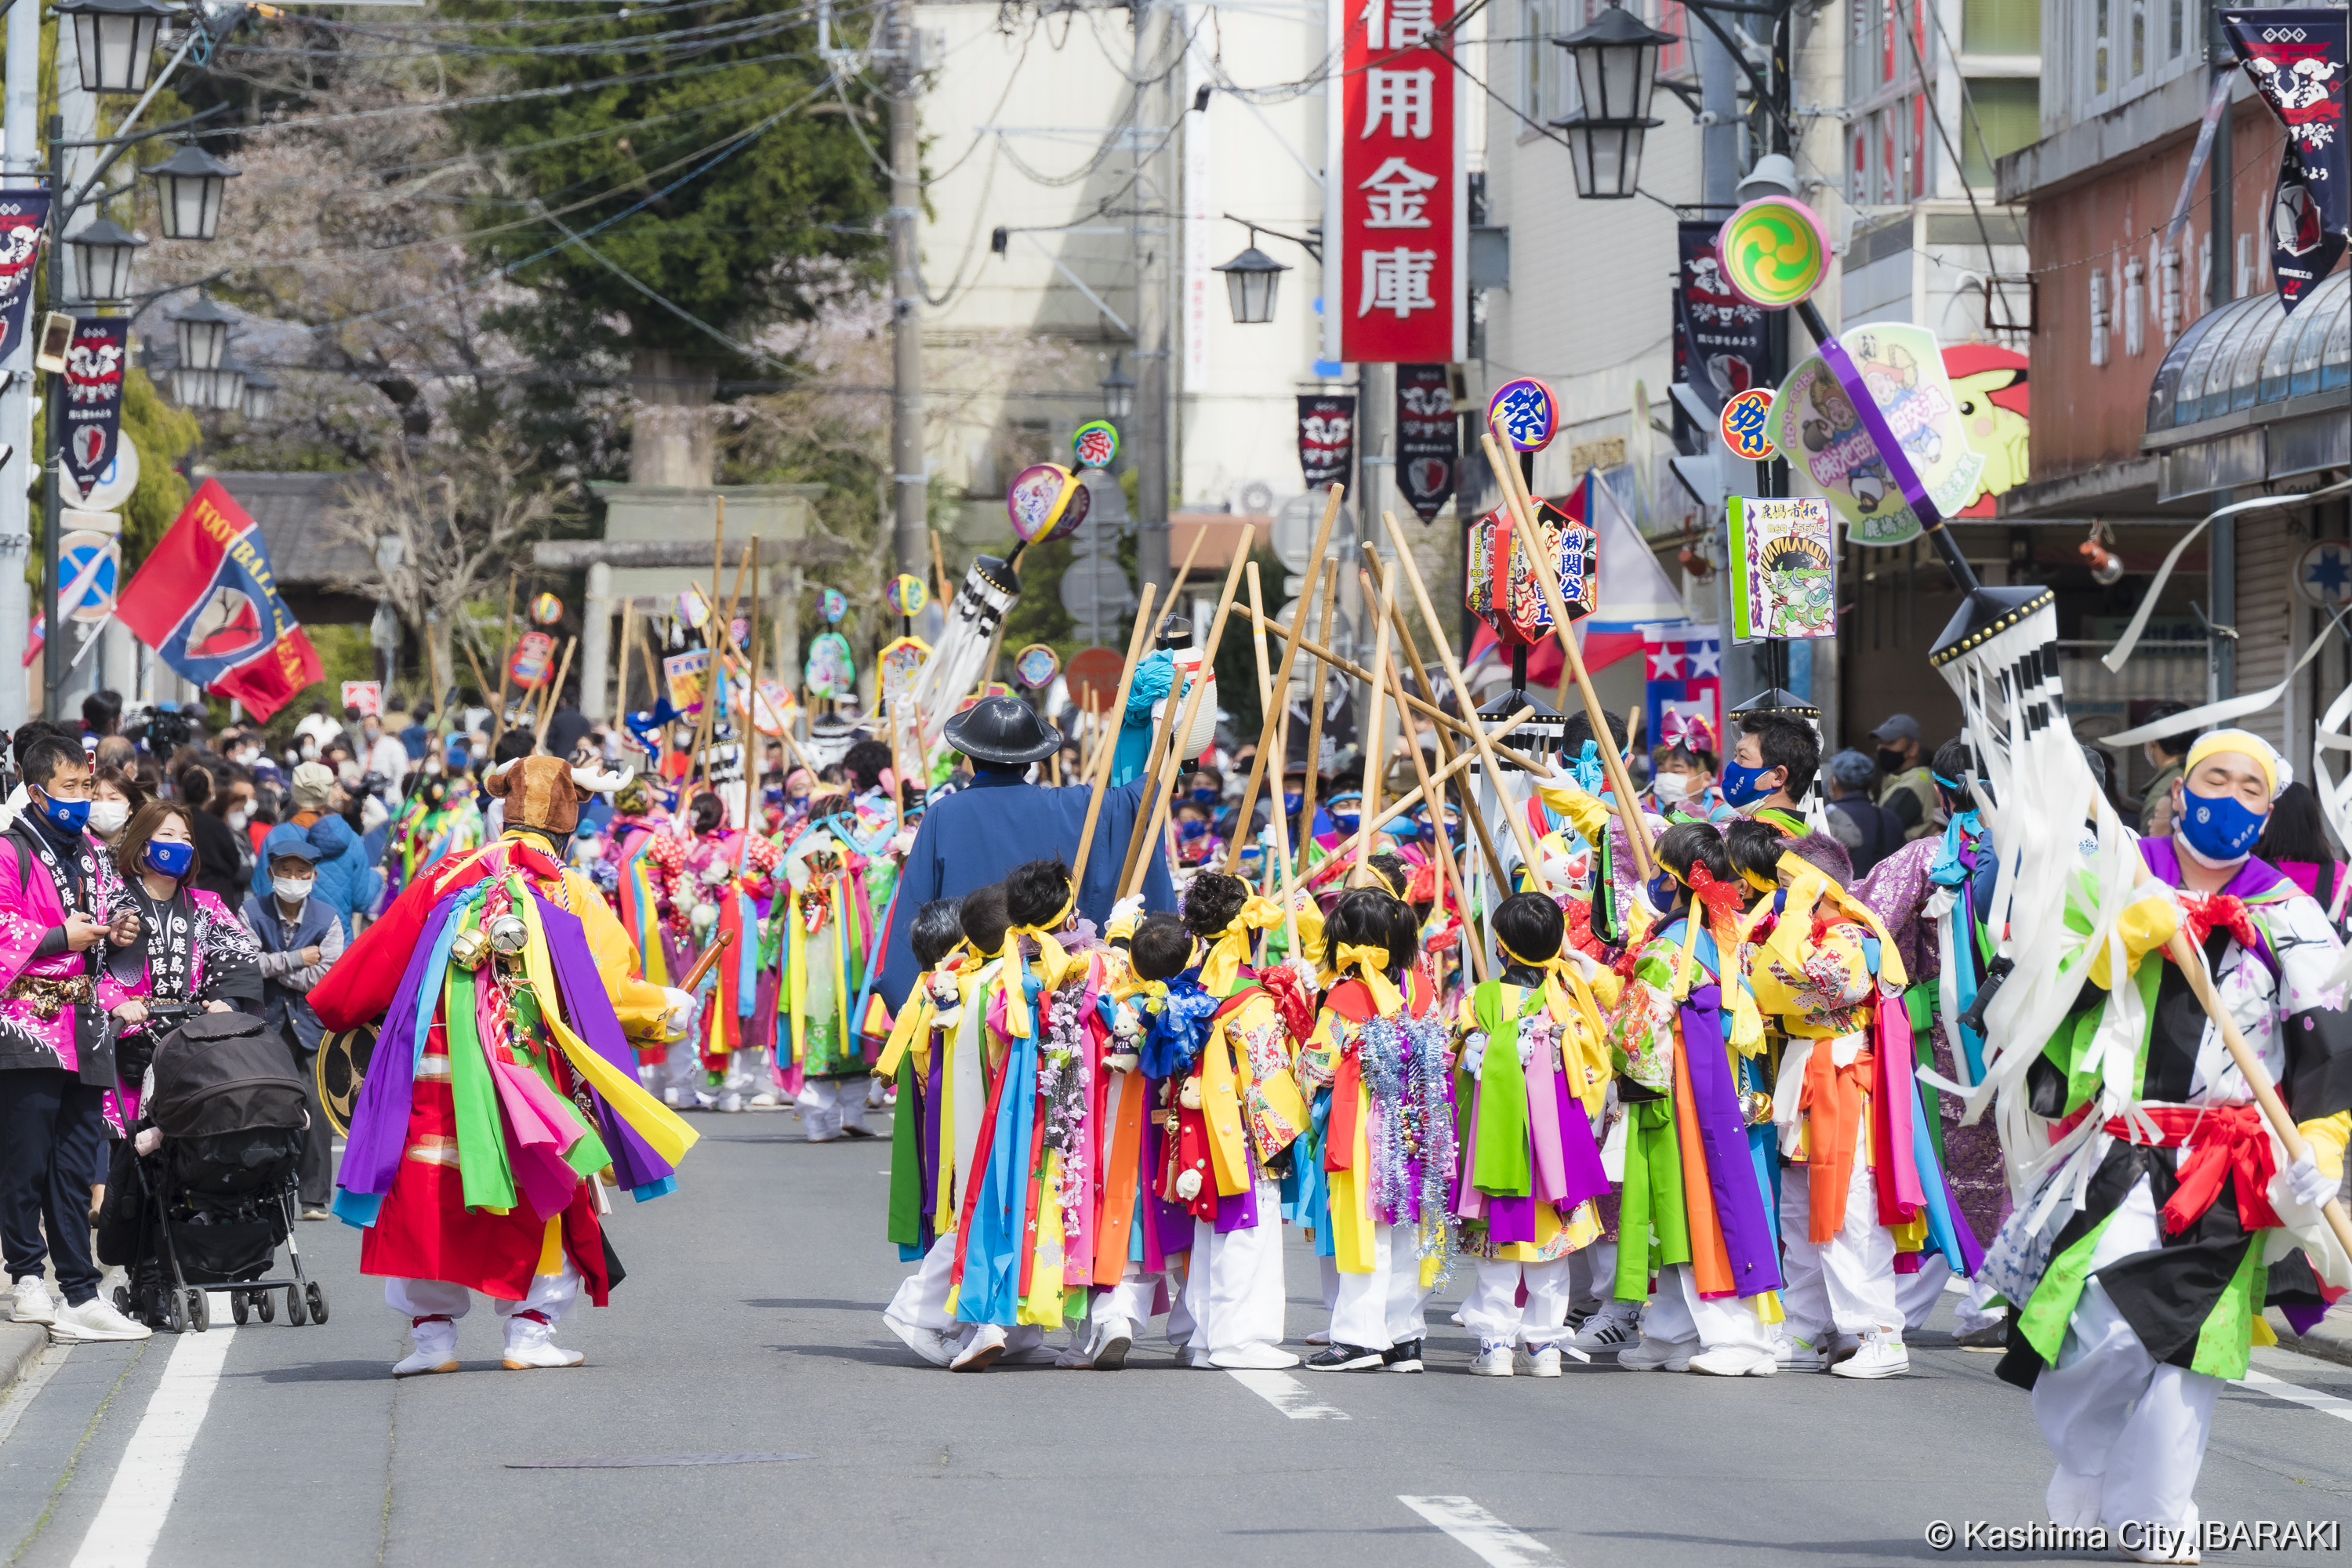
(2147, 924)
(1584, 810)
(2327, 1137)
(640, 1005)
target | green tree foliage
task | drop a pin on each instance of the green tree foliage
(719, 119)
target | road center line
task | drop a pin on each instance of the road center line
(1482, 1532)
(2294, 1394)
(132, 1517)
(1285, 1394)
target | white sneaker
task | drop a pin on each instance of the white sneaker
(530, 1345)
(95, 1319)
(1799, 1355)
(1880, 1356)
(1111, 1345)
(1655, 1356)
(435, 1348)
(673, 1098)
(1252, 1358)
(1608, 1330)
(1493, 1359)
(1735, 1360)
(765, 1100)
(730, 1102)
(1544, 1362)
(34, 1302)
(929, 1343)
(987, 1345)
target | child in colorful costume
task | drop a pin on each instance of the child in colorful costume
(824, 928)
(1226, 1140)
(438, 820)
(501, 1084)
(2149, 1223)
(1388, 1150)
(1689, 1176)
(1531, 1067)
(920, 1054)
(730, 873)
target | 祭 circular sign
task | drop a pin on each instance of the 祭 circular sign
(835, 604)
(1774, 252)
(1094, 444)
(1525, 413)
(1045, 501)
(547, 609)
(1744, 418)
(906, 594)
(1094, 678)
(1036, 666)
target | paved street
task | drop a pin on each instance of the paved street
(751, 1325)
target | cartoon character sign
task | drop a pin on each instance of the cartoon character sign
(1783, 568)
(1912, 411)
(1996, 414)
(22, 213)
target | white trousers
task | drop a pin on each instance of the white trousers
(1381, 1310)
(829, 1105)
(922, 1296)
(1916, 1294)
(1592, 1275)
(1491, 1309)
(550, 1294)
(1846, 1282)
(1131, 1297)
(1677, 1314)
(746, 1073)
(1232, 1286)
(1330, 1270)
(2126, 1431)
(1181, 1326)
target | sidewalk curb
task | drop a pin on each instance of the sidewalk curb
(21, 1345)
(2330, 1339)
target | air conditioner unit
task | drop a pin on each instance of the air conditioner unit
(1258, 497)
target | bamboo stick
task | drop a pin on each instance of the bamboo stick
(1444, 847)
(1167, 710)
(1376, 759)
(1448, 750)
(1289, 658)
(702, 717)
(554, 689)
(1249, 804)
(1462, 760)
(1478, 736)
(506, 666)
(1330, 571)
(1105, 744)
(621, 663)
(1177, 737)
(1637, 831)
(755, 752)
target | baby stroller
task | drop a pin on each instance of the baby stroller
(211, 1204)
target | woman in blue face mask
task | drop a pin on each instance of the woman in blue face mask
(192, 954)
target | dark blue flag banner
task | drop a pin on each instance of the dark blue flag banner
(22, 213)
(94, 362)
(2297, 59)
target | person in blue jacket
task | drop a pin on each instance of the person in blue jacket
(972, 837)
(347, 883)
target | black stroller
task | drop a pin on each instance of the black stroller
(216, 1200)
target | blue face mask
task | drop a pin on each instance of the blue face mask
(2220, 828)
(1205, 797)
(1189, 831)
(1740, 785)
(1662, 889)
(1291, 799)
(172, 859)
(70, 816)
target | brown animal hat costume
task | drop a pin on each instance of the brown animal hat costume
(546, 793)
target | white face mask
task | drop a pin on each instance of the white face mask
(1671, 786)
(108, 815)
(237, 818)
(293, 890)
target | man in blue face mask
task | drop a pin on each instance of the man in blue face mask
(1771, 769)
(2159, 1270)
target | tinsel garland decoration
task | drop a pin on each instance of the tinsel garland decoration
(1413, 1143)
(1063, 1092)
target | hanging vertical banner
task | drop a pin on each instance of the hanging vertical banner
(1718, 336)
(1683, 696)
(1404, 203)
(1327, 438)
(1429, 437)
(22, 213)
(1783, 582)
(2297, 57)
(94, 363)
(1203, 291)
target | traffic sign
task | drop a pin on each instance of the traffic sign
(1094, 674)
(89, 568)
(2324, 574)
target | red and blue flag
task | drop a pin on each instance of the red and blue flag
(205, 601)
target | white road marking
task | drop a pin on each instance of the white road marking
(20, 1397)
(2279, 1388)
(1481, 1532)
(132, 1517)
(1285, 1394)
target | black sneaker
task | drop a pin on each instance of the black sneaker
(1406, 1357)
(1345, 1357)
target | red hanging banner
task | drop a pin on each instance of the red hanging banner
(1397, 278)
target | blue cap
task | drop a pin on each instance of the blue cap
(287, 839)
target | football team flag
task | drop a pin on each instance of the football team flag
(204, 600)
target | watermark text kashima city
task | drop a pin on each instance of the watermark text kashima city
(2205, 1535)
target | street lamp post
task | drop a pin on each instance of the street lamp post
(114, 41)
(99, 255)
(1616, 63)
(191, 182)
(201, 334)
(1251, 281)
(1118, 392)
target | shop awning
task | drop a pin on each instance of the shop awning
(2251, 395)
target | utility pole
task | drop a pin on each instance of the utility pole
(1150, 252)
(22, 169)
(2222, 547)
(910, 476)
(70, 169)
